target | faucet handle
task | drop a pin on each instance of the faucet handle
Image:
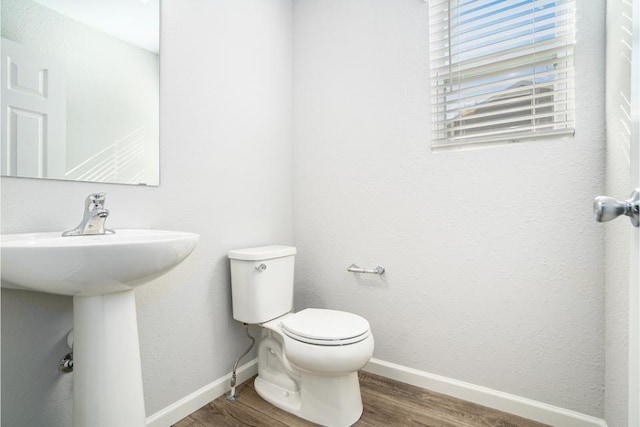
(95, 200)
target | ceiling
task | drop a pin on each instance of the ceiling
(134, 21)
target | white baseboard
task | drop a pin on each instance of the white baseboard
(196, 400)
(501, 401)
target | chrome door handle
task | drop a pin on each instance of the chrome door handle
(607, 208)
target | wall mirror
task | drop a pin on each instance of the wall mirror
(80, 90)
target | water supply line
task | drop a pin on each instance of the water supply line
(66, 363)
(232, 395)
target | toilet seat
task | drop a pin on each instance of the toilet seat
(325, 327)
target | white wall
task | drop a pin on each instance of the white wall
(112, 86)
(494, 263)
(226, 165)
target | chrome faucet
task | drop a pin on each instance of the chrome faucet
(94, 218)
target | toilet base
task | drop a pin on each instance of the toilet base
(333, 401)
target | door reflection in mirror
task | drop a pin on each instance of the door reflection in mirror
(83, 104)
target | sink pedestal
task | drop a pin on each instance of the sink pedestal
(101, 272)
(107, 375)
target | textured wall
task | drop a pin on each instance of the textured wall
(225, 173)
(112, 86)
(494, 264)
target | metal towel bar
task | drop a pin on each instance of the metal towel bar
(353, 268)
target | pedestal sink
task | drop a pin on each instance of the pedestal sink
(101, 273)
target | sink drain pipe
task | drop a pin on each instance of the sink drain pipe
(232, 395)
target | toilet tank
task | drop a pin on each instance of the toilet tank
(262, 282)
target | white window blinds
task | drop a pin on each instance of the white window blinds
(501, 70)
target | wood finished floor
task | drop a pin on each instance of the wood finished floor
(386, 403)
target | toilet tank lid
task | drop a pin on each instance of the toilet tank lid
(262, 253)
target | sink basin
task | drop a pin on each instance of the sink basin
(101, 273)
(91, 265)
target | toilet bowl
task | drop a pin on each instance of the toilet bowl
(308, 361)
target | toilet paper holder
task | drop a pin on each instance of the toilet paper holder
(353, 268)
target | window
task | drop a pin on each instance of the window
(501, 71)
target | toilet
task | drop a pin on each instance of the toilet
(308, 361)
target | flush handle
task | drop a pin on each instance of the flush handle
(261, 267)
(607, 208)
